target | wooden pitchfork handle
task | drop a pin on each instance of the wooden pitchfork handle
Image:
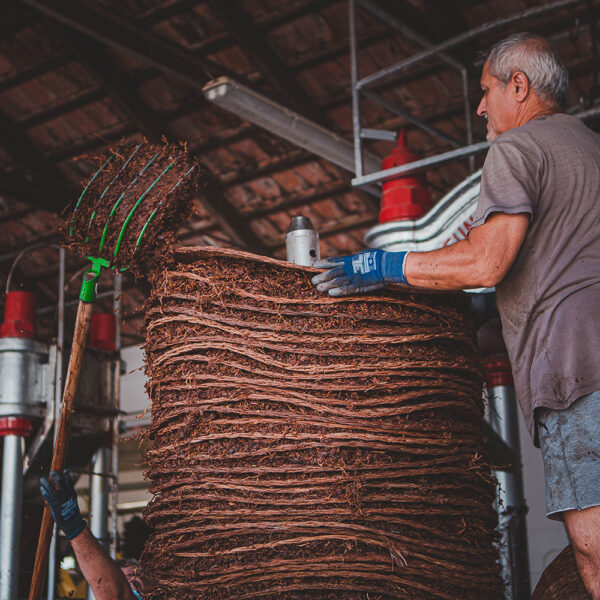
(82, 325)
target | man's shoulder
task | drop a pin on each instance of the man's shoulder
(547, 126)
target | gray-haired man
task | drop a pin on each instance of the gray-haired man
(536, 237)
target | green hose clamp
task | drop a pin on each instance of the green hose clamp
(90, 279)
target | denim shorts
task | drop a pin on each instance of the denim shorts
(570, 444)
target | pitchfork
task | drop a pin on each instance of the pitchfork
(87, 296)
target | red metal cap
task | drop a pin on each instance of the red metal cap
(403, 197)
(498, 371)
(15, 426)
(19, 315)
(103, 332)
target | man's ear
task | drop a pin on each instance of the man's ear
(520, 86)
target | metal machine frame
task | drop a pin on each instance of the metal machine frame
(104, 464)
(360, 88)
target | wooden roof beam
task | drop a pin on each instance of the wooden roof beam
(103, 25)
(96, 22)
(33, 181)
(252, 41)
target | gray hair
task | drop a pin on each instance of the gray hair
(538, 59)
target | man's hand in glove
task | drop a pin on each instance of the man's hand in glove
(358, 273)
(60, 495)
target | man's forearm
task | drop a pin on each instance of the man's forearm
(482, 260)
(450, 268)
(104, 577)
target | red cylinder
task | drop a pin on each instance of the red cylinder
(15, 426)
(498, 371)
(103, 332)
(405, 197)
(19, 315)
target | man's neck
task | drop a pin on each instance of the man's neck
(535, 110)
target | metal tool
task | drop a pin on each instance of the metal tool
(87, 296)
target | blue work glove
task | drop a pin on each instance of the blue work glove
(62, 500)
(363, 272)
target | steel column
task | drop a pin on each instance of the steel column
(10, 515)
(58, 389)
(514, 557)
(116, 391)
(354, 73)
(468, 115)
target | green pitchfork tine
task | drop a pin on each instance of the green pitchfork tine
(87, 237)
(114, 208)
(85, 189)
(139, 201)
(143, 231)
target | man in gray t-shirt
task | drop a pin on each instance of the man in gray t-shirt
(536, 238)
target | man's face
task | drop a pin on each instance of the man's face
(497, 105)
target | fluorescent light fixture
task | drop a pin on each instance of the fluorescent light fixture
(287, 124)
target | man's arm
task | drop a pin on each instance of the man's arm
(482, 260)
(104, 577)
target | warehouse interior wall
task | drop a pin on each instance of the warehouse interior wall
(546, 538)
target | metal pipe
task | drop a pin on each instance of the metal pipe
(56, 404)
(514, 557)
(424, 163)
(421, 165)
(464, 75)
(10, 515)
(99, 500)
(116, 391)
(414, 120)
(354, 74)
(462, 38)
(407, 32)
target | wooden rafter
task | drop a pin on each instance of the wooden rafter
(128, 100)
(32, 179)
(103, 25)
(252, 42)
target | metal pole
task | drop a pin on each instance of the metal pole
(407, 32)
(10, 515)
(514, 557)
(58, 388)
(412, 119)
(117, 308)
(460, 39)
(430, 161)
(358, 160)
(99, 496)
(99, 500)
(421, 165)
(468, 115)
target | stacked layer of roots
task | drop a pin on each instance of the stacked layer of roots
(311, 447)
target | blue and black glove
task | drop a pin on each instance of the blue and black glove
(363, 272)
(62, 500)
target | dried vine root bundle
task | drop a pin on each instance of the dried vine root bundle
(310, 447)
(134, 203)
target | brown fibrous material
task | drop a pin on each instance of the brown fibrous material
(135, 185)
(304, 446)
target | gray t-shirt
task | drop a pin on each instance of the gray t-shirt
(549, 301)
